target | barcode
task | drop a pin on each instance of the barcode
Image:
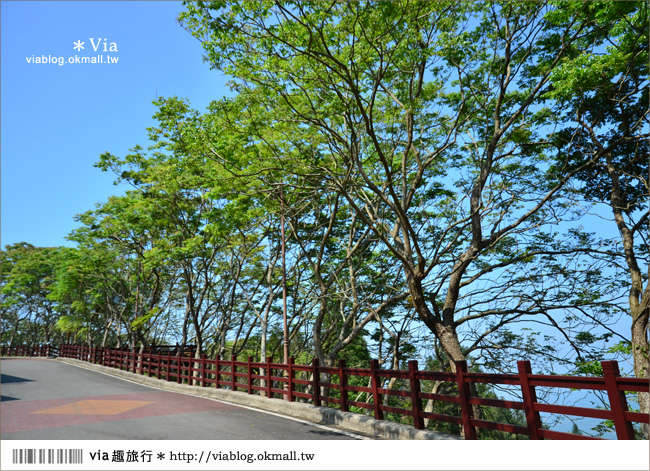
(47, 456)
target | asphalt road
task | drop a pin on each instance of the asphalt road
(48, 400)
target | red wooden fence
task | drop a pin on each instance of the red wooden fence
(311, 383)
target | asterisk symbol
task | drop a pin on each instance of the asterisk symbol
(161, 456)
(78, 45)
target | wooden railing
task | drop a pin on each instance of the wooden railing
(332, 385)
(29, 351)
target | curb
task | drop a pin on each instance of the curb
(349, 421)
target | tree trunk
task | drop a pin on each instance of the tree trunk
(640, 356)
(444, 329)
(430, 403)
(638, 298)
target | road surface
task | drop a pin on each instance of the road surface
(49, 400)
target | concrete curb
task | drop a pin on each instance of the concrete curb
(319, 415)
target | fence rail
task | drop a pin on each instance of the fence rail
(332, 386)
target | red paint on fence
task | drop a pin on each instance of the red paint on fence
(311, 386)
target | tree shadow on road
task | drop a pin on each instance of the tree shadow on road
(7, 379)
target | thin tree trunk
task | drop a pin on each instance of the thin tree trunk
(638, 298)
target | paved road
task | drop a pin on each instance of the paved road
(48, 400)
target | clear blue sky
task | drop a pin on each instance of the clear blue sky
(56, 120)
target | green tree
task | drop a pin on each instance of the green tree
(601, 90)
(29, 312)
(130, 232)
(427, 119)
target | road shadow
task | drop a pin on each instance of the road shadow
(7, 379)
(7, 398)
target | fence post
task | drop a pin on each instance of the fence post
(290, 385)
(416, 400)
(617, 401)
(376, 396)
(315, 375)
(343, 383)
(269, 385)
(465, 406)
(179, 365)
(217, 376)
(233, 369)
(250, 375)
(530, 398)
(203, 370)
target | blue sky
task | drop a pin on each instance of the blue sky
(57, 120)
